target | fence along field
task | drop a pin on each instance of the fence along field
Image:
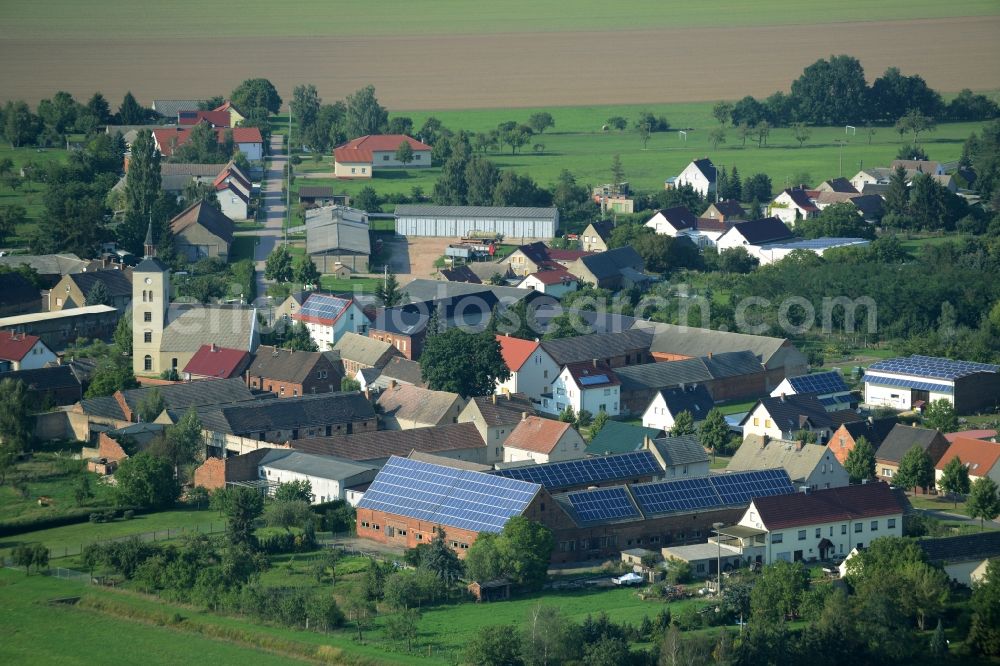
(449, 60)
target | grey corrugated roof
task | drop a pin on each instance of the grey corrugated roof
(301, 412)
(326, 467)
(177, 398)
(422, 289)
(169, 108)
(799, 463)
(599, 345)
(44, 379)
(403, 371)
(190, 170)
(384, 443)
(191, 326)
(47, 264)
(325, 234)
(662, 375)
(361, 349)
(503, 212)
(681, 450)
(688, 341)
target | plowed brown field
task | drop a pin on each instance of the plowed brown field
(497, 70)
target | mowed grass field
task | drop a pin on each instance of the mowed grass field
(450, 54)
(578, 144)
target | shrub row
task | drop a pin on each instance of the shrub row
(82, 515)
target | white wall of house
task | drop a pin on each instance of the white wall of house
(967, 573)
(689, 471)
(829, 473)
(534, 379)
(693, 176)
(593, 399)
(352, 169)
(730, 239)
(555, 290)
(785, 209)
(37, 357)
(659, 224)
(327, 335)
(323, 489)
(759, 422)
(844, 535)
(387, 158)
(899, 397)
(657, 414)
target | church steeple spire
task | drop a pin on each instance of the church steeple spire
(149, 248)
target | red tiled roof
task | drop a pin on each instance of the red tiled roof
(217, 362)
(515, 351)
(970, 434)
(712, 224)
(384, 142)
(346, 155)
(226, 106)
(868, 500)
(15, 346)
(588, 369)
(978, 455)
(169, 137)
(217, 118)
(536, 434)
(555, 276)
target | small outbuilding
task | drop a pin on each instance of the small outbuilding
(493, 590)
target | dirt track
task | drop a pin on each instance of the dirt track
(484, 71)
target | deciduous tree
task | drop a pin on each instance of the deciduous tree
(714, 432)
(940, 415)
(916, 470)
(469, 364)
(256, 94)
(983, 502)
(860, 462)
(147, 481)
(955, 479)
(279, 265)
(364, 114)
(683, 424)
(541, 121)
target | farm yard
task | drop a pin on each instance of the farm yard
(514, 54)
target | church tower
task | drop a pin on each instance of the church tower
(150, 300)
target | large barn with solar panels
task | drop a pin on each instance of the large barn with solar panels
(915, 381)
(595, 507)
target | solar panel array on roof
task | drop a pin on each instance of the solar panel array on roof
(587, 470)
(591, 380)
(823, 382)
(741, 488)
(906, 383)
(447, 496)
(932, 366)
(676, 495)
(712, 491)
(323, 306)
(603, 504)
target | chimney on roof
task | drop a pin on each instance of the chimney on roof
(214, 348)
(595, 362)
(804, 490)
(524, 416)
(799, 444)
(764, 440)
(710, 354)
(782, 397)
(494, 398)
(392, 383)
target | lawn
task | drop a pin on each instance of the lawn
(29, 195)
(48, 475)
(349, 285)
(396, 17)
(39, 632)
(69, 539)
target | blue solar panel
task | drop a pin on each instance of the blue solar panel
(587, 470)
(823, 382)
(591, 380)
(743, 487)
(879, 380)
(676, 495)
(932, 366)
(603, 504)
(447, 496)
(712, 491)
(323, 306)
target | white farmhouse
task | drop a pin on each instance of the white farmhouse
(328, 318)
(669, 402)
(700, 175)
(329, 477)
(532, 370)
(590, 385)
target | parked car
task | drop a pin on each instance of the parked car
(628, 579)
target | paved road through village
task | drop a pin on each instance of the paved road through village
(272, 201)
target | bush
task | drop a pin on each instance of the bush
(129, 514)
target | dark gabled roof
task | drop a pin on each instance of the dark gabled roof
(44, 379)
(706, 167)
(902, 438)
(609, 264)
(422, 290)
(404, 371)
(964, 548)
(765, 230)
(151, 265)
(789, 412)
(18, 290)
(284, 365)
(598, 345)
(498, 410)
(681, 450)
(679, 217)
(288, 413)
(118, 283)
(840, 185)
(384, 443)
(801, 199)
(694, 399)
(870, 500)
(874, 430)
(869, 204)
(730, 208)
(315, 191)
(688, 371)
(177, 397)
(460, 274)
(618, 437)
(591, 375)
(311, 464)
(603, 229)
(204, 215)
